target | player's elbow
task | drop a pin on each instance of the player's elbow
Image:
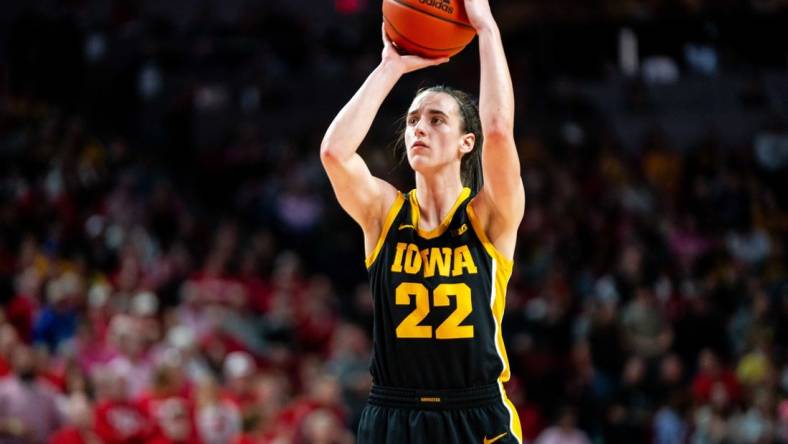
(499, 129)
(328, 154)
(499, 139)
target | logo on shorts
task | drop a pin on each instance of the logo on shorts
(443, 5)
(492, 440)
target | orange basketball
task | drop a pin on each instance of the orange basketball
(429, 28)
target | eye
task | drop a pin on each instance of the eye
(412, 120)
(437, 121)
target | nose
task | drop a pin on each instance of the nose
(418, 129)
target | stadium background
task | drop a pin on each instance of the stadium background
(175, 268)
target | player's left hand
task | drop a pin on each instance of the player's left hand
(479, 14)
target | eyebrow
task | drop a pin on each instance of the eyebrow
(429, 111)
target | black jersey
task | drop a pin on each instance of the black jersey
(438, 300)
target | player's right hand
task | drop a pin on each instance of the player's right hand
(405, 63)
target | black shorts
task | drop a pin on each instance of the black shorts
(478, 415)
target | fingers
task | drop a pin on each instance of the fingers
(435, 62)
(412, 62)
(429, 62)
(386, 39)
(415, 63)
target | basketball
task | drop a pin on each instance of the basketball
(429, 28)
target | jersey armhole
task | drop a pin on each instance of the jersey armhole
(384, 231)
(488, 246)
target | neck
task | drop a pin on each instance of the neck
(436, 194)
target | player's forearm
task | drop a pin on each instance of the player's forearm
(352, 124)
(500, 162)
(496, 95)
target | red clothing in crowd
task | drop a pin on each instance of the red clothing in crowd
(121, 422)
(73, 435)
(259, 293)
(704, 384)
(160, 438)
(314, 327)
(293, 415)
(532, 422)
(158, 408)
(5, 369)
(243, 401)
(266, 438)
(20, 311)
(244, 439)
(56, 377)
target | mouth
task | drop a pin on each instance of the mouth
(418, 144)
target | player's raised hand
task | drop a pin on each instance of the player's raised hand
(405, 63)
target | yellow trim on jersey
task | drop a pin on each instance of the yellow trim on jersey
(500, 278)
(514, 419)
(440, 229)
(491, 250)
(390, 216)
(498, 305)
(502, 270)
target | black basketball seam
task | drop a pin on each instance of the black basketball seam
(414, 43)
(464, 25)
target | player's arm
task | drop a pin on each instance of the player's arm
(502, 198)
(364, 197)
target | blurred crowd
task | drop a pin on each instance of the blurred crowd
(128, 319)
(175, 269)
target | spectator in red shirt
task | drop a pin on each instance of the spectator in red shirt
(712, 376)
(175, 424)
(168, 390)
(118, 419)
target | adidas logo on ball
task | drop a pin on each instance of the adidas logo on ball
(443, 5)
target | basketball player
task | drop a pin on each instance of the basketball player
(440, 256)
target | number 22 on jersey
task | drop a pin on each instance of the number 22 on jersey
(409, 328)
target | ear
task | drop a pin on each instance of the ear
(466, 143)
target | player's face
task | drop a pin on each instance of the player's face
(433, 132)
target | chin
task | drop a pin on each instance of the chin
(418, 163)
